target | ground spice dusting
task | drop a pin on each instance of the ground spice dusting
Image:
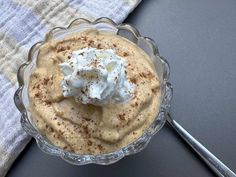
(133, 80)
(122, 116)
(45, 81)
(100, 147)
(86, 129)
(91, 42)
(51, 129)
(59, 131)
(90, 143)
(154, 90)
(150, 75)
(67, 82)
(48, 102)
(147, 75)
(37, 94)
(86, 119)
(141, 74)
(61, 49)
(99, 46)
(125, 54)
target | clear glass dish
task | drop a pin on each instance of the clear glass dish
(103, 24)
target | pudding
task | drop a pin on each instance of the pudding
(111, 114)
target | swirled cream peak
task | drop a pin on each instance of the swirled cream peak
(96, 76)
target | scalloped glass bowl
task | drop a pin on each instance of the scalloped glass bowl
(102, 24)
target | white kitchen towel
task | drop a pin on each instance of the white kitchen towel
(22, 23)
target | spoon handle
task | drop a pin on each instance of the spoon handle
(212, 161)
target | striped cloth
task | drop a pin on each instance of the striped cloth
(22, 23)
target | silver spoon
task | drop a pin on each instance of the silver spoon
(212, 161)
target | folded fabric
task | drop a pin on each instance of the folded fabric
(22, 23)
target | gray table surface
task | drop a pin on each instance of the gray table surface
(199, 40)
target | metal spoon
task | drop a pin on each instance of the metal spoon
(212, 161)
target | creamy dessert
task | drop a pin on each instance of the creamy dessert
(93, 92)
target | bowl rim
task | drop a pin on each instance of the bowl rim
(105, 158)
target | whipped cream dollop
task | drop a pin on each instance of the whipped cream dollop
(96, 76)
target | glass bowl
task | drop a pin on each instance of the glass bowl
(103, 24)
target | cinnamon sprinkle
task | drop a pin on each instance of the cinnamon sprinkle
(147, 75)
(100, 147)
(86, 119)
(37, 94)
(99, 46)
(125, 54)
(122, 116)
(91, 42)
(86, 129)
(60, 49)
(154, 90)
(45, 81)
(89, 143)
(48, 102)
(133, 80)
